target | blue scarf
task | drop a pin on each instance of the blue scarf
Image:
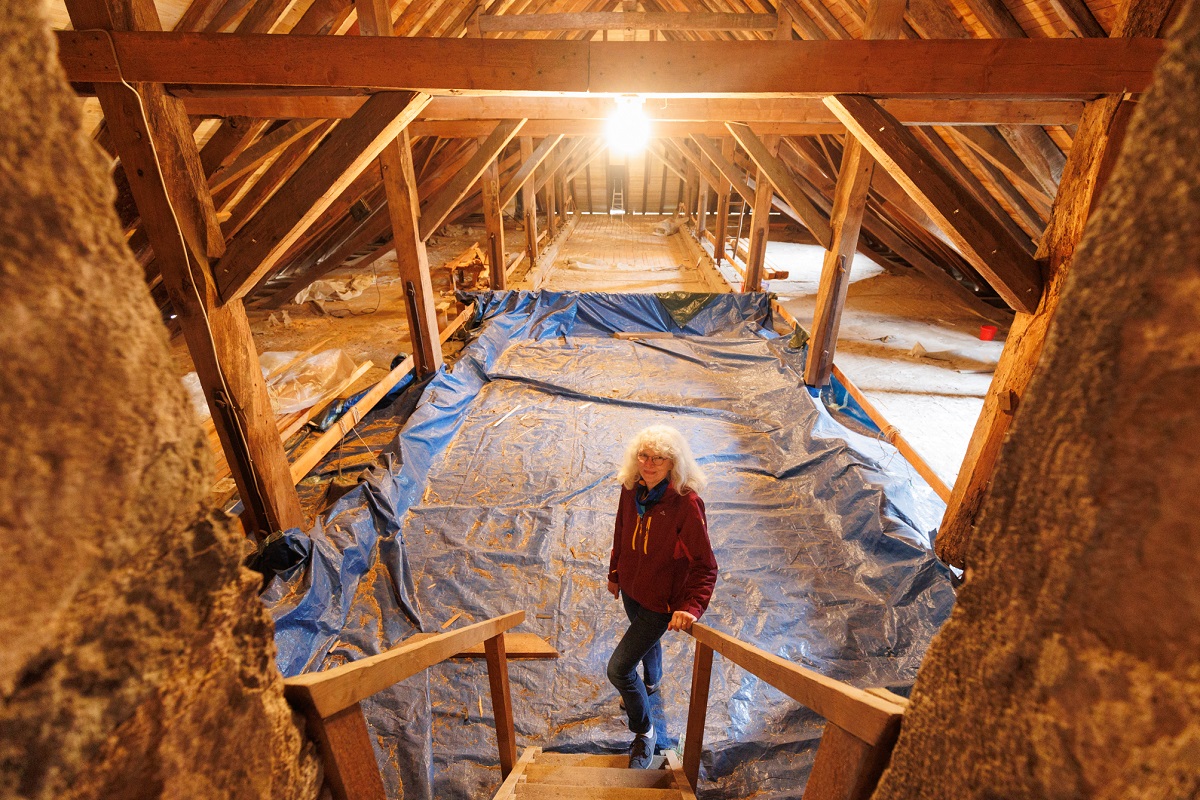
(645, 498)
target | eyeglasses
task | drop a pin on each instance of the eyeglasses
(650, 458)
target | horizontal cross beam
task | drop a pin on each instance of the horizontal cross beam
(1063, 68)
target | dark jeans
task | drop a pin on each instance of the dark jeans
(640, 644)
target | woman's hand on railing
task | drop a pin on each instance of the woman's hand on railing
(681, 621)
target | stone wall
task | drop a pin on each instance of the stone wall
(137, 661)
(1071, 665)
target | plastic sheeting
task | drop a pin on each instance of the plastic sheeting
(505, 499)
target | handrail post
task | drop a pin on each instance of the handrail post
(697, 712)
(506, 737)
(346, 753)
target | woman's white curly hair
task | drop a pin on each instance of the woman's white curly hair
(663, 440)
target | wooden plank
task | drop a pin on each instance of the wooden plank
(506, 737)
(509, 786)
(1078, 18)
(342, 687)
(777, 173)
(345, 747)
(154, 141)
(305, 462)
(243, 208)
(340, 159)
(543, 791)
(1014, 68)
(847, 768)
(627, 20)
(849, 206)
(680, 779)
(697, 712)
(517, 646)
(981, 238)
(254, 155)
(598, 776)
(867, 717)
(440, 206)
(894, 437)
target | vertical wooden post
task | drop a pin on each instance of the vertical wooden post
(529, 201)
(702, 208)
(506, 737)
(849, 205)
(691, 190)
(153, 138)
(697, 712)
(551, 205)
(847, 768)
(404, 210)
(760, 223)
(723, 191)
(346, 753)
(494, 225)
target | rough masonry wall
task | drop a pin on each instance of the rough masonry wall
(1071, 665)
(136, 659)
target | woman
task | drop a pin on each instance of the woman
(662, 567)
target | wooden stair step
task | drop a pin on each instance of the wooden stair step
(547, 791)
(599, 776)
(616, 760)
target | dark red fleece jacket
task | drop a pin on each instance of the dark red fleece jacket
(664, 560)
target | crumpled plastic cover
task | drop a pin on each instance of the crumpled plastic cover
(505, 499)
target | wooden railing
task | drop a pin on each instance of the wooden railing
(861, 725)
(331, 701)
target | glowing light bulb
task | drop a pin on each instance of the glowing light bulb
(628, 128)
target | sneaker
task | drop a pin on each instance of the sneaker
(651, 688)
(641, 752)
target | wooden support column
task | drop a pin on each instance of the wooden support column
(723, 189)
(529, 201)
(440, 205)
(493, 226)
(552, 204)
(760, 224)
(404, 210)
(506, 737)
(702, 208)
(316, 184)
(154, 141)
(1098, 137)
(979, 236)
(697, 712)
(849, 205)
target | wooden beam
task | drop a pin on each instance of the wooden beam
(502, 713)
(404, 210)
(346, 753)
(626, 20)
(154, 141)
(863, 715)
(760, 224)
(529, 165)
(1020, 68)
(339, 688)
(984, 242)
(697, 712)
(847, 768)
(346, 152)
(440, 206)
(253, 156)
(725, 166)
(1078, 18)
(849, 205)
(770, 165)
(493, 222)
(528, 198)
(227, 102)
(241, 209)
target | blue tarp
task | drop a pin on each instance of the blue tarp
(504, 499)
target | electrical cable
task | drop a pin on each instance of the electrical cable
(236, 412)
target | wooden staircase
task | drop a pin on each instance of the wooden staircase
(574, 776)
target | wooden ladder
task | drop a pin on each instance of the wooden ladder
(538, 775)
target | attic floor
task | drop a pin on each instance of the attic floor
(932, 393)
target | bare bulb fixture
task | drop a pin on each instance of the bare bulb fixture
(628, 126)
